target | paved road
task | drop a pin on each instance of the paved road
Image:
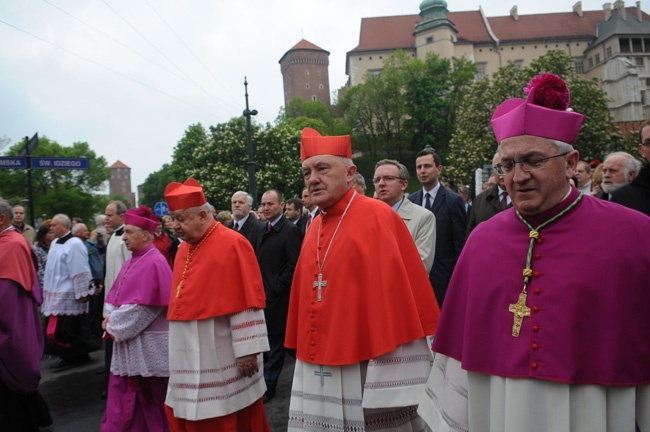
(75, 405)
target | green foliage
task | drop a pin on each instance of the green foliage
(220, 163)
(153, 189)
(72, 192)
(195, 136)
(314, 114)
(473, 143)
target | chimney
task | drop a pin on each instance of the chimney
(577, 8)
(607, 8)
(639, 13)
(621, 7)
(514, 14)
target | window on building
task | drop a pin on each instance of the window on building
(646, 45)
(314, 98)
(321, 86)
(639, 61)
(642, 97)
(637, 46)
(307, 72)
(580, 66)
(591, 62)
(374, 72)
(519, 64)
(306, 86)
(318, 73)
(624, 44)
(480, 70)
(608, 52)
(597, 58)
(647, 82)
(429, 39)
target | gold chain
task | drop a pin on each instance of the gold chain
(190, 254)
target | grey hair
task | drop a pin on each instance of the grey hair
(203, 207)
(63, 219)
(403, 171)
(562, 147)
(495, 158)
(632, 165)
(77, 227)
(6, 209)
(358, 179)
(249, 199)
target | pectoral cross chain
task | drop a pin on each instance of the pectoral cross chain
(320, 283)
(520, 310)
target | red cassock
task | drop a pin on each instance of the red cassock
(378, 295)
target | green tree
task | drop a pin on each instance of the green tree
(73, 192)
(183, 158)
(153, 190)
(473, 143)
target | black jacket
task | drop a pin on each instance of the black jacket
(636, 195)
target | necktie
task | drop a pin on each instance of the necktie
(504, 200)
(268, 227)
(427, 202)
(236, 226)
(308, 220)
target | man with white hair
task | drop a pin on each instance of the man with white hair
(522, 342)
(636, 195)
(244, 222)
(619, 169)
(66, 292)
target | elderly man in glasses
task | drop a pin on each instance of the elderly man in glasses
(534, 336)
(636, 195)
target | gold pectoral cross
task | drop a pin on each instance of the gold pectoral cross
(320, 283)
(520, 310)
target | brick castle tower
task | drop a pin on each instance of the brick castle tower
(305, 73)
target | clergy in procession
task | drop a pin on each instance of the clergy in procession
(217, 331)
(21, 336)
(361, 306)
(533, 335)
(136, 321)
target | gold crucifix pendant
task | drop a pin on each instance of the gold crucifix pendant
(520, 310)
(178, 289)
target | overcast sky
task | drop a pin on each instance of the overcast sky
(129, 76)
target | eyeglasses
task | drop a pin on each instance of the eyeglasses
(386, 179)
(646, 143)
(527, 164)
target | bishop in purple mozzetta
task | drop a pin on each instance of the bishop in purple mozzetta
(546, 324)
(137, 323)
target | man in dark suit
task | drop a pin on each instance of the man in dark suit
(277, 250)
(451, 218)
(491, 201)
(312, 209)
(293, 212)
(244, 221)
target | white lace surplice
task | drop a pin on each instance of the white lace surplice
(379, 395)
(141, 340)
(456, 400)
(204, 381)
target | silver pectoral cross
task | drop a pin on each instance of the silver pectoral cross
(320, 283)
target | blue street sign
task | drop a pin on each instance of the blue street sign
(59, 163)
(12, 162)
(161, 208)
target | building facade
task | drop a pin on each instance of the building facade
(305, 73)
(612, 45)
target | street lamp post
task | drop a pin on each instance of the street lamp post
(251, 153)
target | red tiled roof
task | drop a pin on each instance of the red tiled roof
(396, 32)
(303, 45)
(119, 164)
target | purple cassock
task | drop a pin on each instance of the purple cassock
(137, 307)
(21, 335)
(588, 297)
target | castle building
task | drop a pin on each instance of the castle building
(305, 73)
(612, 45)
(120, 181)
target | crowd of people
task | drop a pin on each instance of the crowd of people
(197, 310)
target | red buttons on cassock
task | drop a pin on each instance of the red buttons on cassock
(538, 256)
(537, 291)
(535, 328)
(312, 358)
(535, 346)
(312, 329)
(535, 308)
(536, 274)
(539, 241)
(313, 344)
(534, 365)
(311, 316)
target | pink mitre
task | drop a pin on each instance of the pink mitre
(141, 217)
(545, 112)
